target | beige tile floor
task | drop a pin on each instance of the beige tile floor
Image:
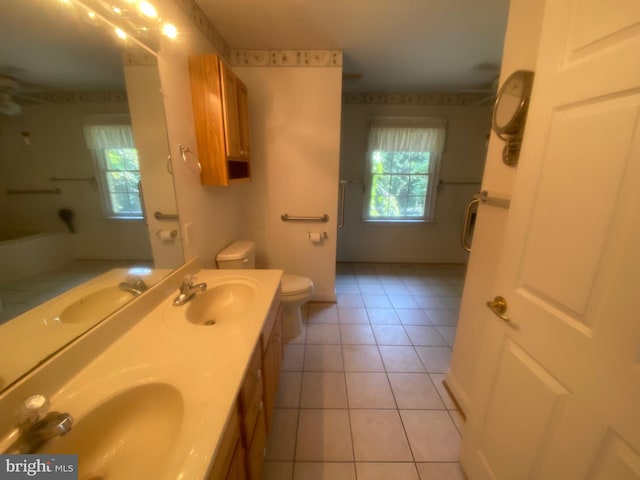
(361, 394)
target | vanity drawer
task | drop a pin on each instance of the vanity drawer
(252, 378)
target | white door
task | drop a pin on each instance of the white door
(558, 393)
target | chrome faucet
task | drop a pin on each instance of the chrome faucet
(134, 285)
(37, 425)
(188, 289)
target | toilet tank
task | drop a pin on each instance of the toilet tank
(240, 254)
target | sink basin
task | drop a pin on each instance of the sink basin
(225, 301)
(95, 305)
(130, 436)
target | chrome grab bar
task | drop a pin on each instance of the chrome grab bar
(74, 179)
(342, 188)
(11, 191)
(487, 199)
(467, 224)
(285, 217)
(164, 216)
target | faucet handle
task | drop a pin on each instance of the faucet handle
(33, 409)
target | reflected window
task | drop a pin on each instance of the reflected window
(111, 143)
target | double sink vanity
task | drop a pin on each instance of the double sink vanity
(166, 391)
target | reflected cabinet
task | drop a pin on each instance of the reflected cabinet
(221, 114)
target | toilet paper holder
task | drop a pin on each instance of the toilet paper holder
(322, 234)
(162, 234)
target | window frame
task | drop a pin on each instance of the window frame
(103, 182)
(433, 173)
(99, 145)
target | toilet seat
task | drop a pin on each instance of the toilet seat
(295, 285)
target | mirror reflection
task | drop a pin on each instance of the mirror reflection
(81, 137)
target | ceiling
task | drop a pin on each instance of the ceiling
(407, 46)
(46, 47)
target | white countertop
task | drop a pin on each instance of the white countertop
(205, 363)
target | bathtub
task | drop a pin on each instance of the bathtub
(26, 254)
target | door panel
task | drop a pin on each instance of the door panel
(616, 460)
(560, 400)
(524, 401)
(567, 236)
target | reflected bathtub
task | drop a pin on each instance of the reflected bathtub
(26, 254)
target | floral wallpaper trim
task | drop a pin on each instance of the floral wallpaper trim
(286, 58)
(78, 97)
(469, 99)
(202, 23)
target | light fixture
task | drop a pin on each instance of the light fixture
(170, 30)
(120, 33)
(8, 105)
(147, 9)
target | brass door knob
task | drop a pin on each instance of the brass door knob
(499, 306)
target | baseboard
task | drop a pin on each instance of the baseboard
(324, 298)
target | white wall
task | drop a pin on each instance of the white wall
(210, 217)
(295, 134)
(520, 52)
(462, 161)
(58, 149)
(150, 133)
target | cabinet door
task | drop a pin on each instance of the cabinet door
(256, 454)
(237, 470)
(230, 109)
(271, 365)
(227, 450)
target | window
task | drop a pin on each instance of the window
(116, 159)
(402, 168)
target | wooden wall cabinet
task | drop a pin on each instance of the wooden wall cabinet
(221, 115)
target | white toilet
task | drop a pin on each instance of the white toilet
(295, 289)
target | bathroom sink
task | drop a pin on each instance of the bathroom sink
(225, 301)
(95, 305)
(130, 436)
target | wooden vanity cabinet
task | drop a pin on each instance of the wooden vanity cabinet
(273, 349)
(243, 446)
(229, 463)
(251, 408)
(221, 115)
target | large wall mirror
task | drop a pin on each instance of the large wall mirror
(73, 243)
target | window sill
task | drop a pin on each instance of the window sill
(396, 221)
(125, 219)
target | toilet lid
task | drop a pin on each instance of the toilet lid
(295, 284)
